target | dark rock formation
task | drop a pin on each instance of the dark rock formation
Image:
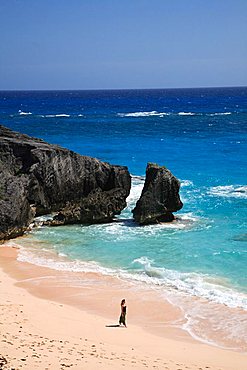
(98, 207)
(159, 198)
(38, 178)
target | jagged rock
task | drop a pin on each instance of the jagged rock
(159, 198)
(109, 203)
(37, 178)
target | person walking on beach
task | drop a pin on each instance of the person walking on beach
(123, 313)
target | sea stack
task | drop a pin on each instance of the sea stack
(159, 198)
(38, 178)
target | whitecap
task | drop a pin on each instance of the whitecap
(220, 114)
(62, 115)
(186, 183)
(57, 115)
(229, 191)
(144, 114)
(24, 113)
(186, 114)
(143, 260)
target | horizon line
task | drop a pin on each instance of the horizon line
(129, 89)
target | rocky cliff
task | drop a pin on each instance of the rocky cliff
(159, 198)
(38, 178)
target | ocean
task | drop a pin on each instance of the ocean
(200, 135)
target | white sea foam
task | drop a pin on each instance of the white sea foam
(186, 114)
(24, 113)
(182, 220)
(189, 216)
(185, 183)
(185, 283)
(144, 114)
(194, 284)
(12, 244)
(62, 254)
(62, 115)
(163, 114)
(42, 218)
(229, 191)
(204, 320)
(220, 114)
(185, 221)
(135, 191)
(137, 178)
(61, 263)
(56, 115)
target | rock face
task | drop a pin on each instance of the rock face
(98, 207)
(159, 198)
(37, 178)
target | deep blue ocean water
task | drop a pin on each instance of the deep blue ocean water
(200, 135)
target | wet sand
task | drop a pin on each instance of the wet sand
(55, 320)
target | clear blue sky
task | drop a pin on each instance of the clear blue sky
(97, 44)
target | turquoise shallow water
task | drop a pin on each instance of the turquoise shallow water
(191, 254)
(200, 135)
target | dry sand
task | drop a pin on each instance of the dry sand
(40, 330)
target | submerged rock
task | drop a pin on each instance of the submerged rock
(37, 178)
(240, 238)
(159, 198)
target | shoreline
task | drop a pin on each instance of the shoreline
(81, 316)
(158, 309)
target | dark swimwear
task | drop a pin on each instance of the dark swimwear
(122, 316)
(122, 319)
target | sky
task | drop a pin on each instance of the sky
(121, 44)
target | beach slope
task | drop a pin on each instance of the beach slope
(45, 334)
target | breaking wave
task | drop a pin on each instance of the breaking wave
(186, 183)
(144, 114)
(56, 115)
(220, 114)
(229, 191)
(163, 114)
(24, 113)
(186, 114)
(188, 284)
(48, 115)
(194, 284)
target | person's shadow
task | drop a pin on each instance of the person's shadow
(113, 326)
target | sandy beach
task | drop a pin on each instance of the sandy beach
(47, 328)
(123, 179)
